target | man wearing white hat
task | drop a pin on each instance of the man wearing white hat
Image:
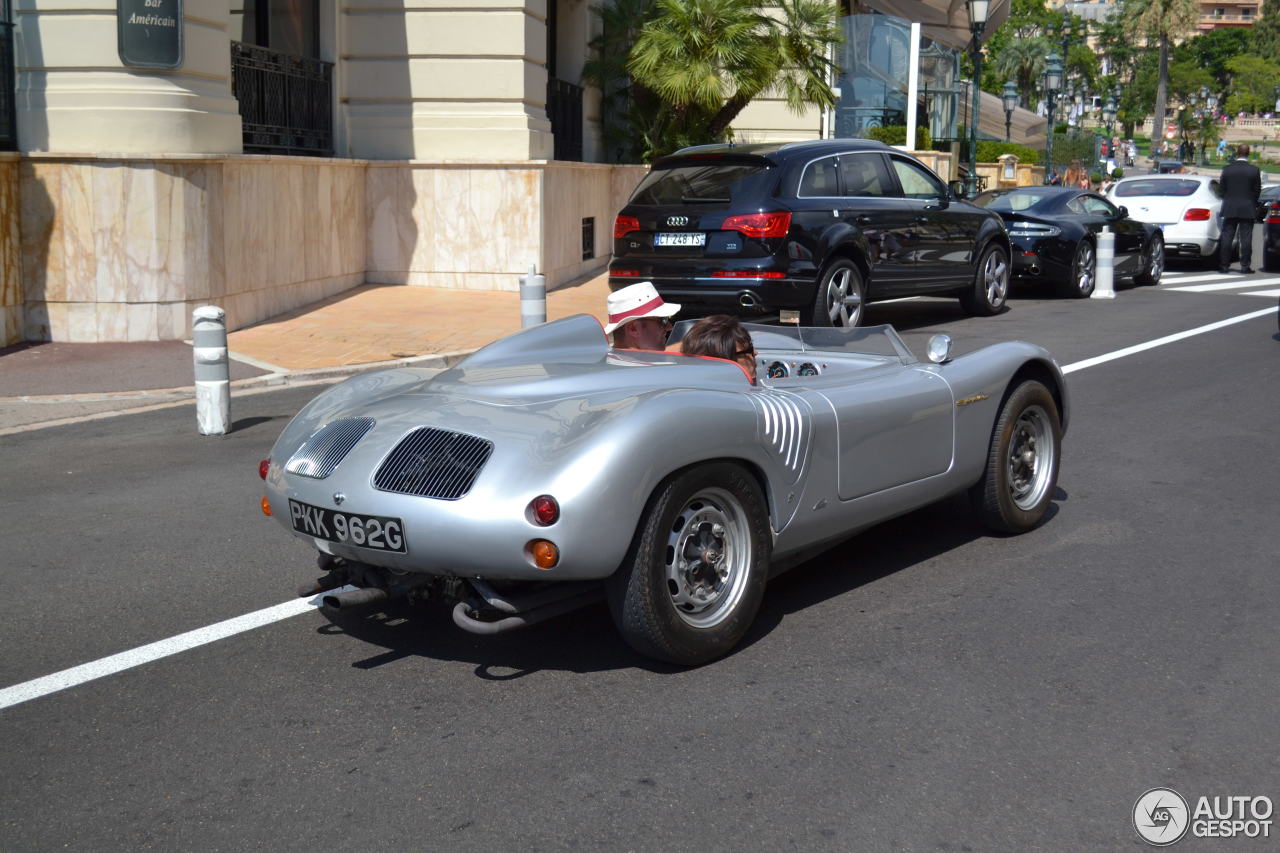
(638, 318)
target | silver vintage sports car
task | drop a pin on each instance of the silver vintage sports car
(547, 471)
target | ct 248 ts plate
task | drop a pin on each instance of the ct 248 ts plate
(348, 528)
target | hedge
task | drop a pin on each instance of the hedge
(896, 134)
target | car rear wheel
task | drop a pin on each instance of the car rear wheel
(693, 579)
(840, 298)
(1022, 461)
(991, 284)
(1152, 262)
(1084, 272)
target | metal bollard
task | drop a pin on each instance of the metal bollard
(1106, 265)
(213, 374)
(533, 298)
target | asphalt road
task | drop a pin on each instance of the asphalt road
(923, 686)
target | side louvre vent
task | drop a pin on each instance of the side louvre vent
(784, 428)
(433, 463)
(328, 446)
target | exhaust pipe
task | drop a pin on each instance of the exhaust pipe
(747, 299)
(354, 598)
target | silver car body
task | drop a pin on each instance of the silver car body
(875, 433)
(1190, 221)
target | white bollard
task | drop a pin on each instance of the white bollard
(533, 298)
(1106, 265)
(213, 374)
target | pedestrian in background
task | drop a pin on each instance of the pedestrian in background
(1241, 185)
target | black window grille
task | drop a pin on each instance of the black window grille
(564, 110)
(285, 101)
(588, 238)
(8, 113)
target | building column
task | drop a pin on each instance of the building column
(463, 81)
(75, 95)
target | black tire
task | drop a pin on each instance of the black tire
(670, 600)
(1022, 461)
(840, 298)
(1152, 262)
(1083, 276)
(990, 288)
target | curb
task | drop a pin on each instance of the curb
(269, 380)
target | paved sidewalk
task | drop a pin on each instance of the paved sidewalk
(360, 329)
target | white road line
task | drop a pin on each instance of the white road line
(1183, 277)
(1238, 284)
(76, 675)
(1167, 339)
(45, 685)
(1262, 293)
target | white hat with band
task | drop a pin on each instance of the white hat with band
(636, 301)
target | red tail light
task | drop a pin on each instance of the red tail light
(263, 467)
(624, 273)
(747, 274)
(624, 225)
(760, 224)
(545, 510)
(1196, 214)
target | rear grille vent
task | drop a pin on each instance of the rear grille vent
(434, 463)
(328, 446)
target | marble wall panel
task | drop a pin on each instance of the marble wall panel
(233, 260)
(75, 214)
(140, 322)
(11, 290)
(40, 232)
(349, 200)
(112, 185)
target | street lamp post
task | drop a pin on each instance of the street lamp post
(978, 10)
(1010, 98)
(1109, 114)
(1052, 80)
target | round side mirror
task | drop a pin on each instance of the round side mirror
(940, 349)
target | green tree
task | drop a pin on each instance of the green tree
(1021, 61)
(624, 103)
(706, 60)
(1264, 36)
(1212, 50)
(1162, 22)
(1253, 82)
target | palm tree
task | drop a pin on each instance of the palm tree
(1165, 21)
(707, 59)
(1022, 61)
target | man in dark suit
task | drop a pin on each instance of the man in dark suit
(1241, 184)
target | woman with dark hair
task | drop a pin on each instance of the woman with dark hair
(722, 336)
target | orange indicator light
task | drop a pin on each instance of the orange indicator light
(266, 506)
(545, 554)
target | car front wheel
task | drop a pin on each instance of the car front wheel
(693, 579)
(990, 288)
(1022, 461)
(1084, 273)
(840, 298)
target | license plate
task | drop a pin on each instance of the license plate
(348, 528)
(679, 238)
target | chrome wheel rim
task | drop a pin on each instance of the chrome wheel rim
(1084, 271)
(844, 299)
(1155, 264)
(708, 558)
(995, 278)
(1030, 459)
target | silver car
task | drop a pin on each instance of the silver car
(1184, 206)
(547, 471)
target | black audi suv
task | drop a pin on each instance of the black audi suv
(821, 227)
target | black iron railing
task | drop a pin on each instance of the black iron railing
(8, 113)
(285, 101)
(564, 110)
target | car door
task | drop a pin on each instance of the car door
(871, 204)
(945, 232)
(1130, 235)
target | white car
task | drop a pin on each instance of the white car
(1186, 208)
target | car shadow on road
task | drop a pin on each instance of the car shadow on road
(587, 641)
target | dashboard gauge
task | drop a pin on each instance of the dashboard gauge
(807, 369)
(777, 370)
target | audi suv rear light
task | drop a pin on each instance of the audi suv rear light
(624, 225)
(774, 224)
(755, 274)
(1196, 214)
